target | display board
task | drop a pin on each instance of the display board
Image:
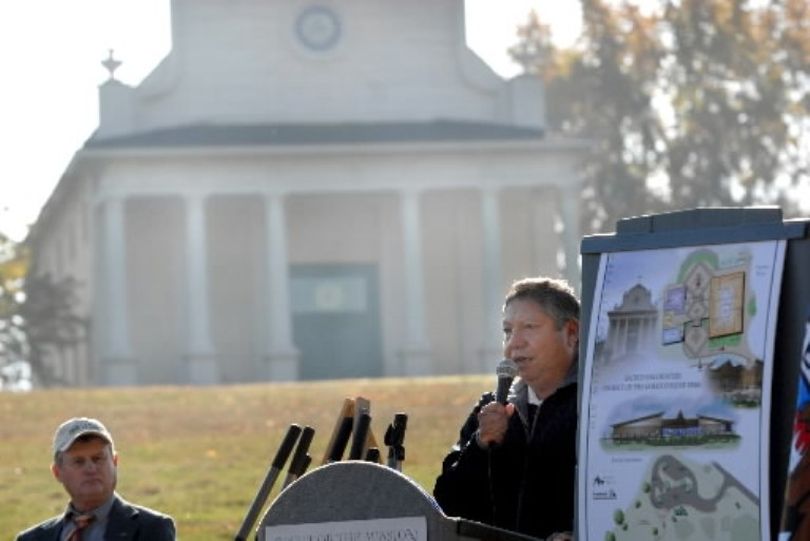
(677, 392)
(681, 348)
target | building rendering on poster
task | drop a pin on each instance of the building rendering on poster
(676, 394)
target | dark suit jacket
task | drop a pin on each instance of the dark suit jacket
(126, 522)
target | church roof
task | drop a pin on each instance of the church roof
(316, 134)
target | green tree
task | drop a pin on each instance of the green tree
(692, 103)
(13, 265)
(37, 313)
(49, 322)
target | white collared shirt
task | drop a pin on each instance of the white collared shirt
(534, 400)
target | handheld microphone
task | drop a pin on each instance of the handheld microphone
(341, 440)
(506, 371)
(298, 462)
(394, 439)
(373, 455)
(277, 465)
(360, 435)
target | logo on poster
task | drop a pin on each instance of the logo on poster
(602, 488)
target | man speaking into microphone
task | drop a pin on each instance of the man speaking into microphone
(514, 463)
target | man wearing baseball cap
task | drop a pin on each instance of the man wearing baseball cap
(85, 462)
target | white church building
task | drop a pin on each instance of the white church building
(308, 189)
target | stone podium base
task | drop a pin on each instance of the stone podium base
(202, 369)
(282, 365)
(415, 361)
(119, 371)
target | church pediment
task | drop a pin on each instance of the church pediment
(339, 61)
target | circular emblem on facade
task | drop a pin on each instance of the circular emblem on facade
(318, 28)
(329, 297)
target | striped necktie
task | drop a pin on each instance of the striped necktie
(81, 522)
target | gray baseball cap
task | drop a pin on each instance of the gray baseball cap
(74, 428)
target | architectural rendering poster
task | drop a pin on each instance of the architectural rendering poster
(676, 394)
(796, 516)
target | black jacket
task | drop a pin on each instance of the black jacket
(526, 484)
(126, 522)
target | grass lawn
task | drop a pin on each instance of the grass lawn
(200, 453)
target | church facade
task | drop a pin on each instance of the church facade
(308, 190)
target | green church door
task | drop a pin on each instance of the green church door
(336, 320)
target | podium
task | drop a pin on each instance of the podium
(364, 500)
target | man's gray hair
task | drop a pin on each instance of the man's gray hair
(555, 297)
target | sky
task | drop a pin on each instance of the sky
(50, 65)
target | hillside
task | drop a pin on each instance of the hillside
(200, 453)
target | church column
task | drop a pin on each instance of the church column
(546, 240)
(282, 355)
(415, 353)
(625, 335)
(201, 362)
(118, 361)
(569, 205)
(492, 349)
